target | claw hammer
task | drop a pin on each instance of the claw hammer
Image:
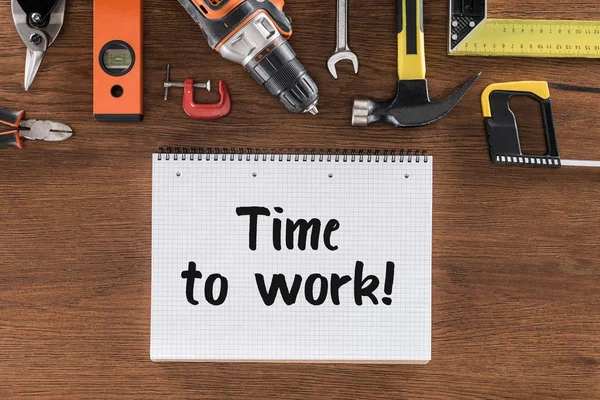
(411, 106)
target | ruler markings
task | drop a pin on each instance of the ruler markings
(533, 38)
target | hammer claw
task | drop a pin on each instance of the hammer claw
(411, 107)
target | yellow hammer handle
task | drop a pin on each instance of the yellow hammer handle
(411, 40)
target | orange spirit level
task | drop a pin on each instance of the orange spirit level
(118, 31)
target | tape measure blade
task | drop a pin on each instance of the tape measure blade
(580, 163)
(532, 38)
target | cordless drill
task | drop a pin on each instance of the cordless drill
(254, 33)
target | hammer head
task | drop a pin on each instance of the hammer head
(410, 107)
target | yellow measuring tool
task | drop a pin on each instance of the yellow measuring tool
(472, 33)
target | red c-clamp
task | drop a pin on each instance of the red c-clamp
(205, 112)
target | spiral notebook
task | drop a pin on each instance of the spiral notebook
(319, 257)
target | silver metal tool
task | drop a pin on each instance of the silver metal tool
(38, 24)
(48, 131)
(168, 84)
(342, 52)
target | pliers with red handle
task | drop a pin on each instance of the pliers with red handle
(32, 129)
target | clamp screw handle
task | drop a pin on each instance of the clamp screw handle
(168, 84)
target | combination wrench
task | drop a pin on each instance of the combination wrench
(342, 52)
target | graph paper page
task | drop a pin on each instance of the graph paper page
(384, 212)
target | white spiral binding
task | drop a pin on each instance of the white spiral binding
(309, 155)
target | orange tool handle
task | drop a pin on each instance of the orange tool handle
(205, 112)
(10, 139)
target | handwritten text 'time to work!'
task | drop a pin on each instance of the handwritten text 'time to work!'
(317, 287)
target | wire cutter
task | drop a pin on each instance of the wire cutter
(49, 131)
(38, 23)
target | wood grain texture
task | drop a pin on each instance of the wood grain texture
(516, 296)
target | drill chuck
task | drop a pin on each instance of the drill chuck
(285, 77)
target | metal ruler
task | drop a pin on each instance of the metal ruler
(472, 33)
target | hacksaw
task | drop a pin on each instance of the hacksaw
(472, 33)
(503, 132)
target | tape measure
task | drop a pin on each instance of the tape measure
(473, 34)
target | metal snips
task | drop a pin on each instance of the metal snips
(38, 23)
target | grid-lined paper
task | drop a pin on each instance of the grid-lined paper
(384, 210)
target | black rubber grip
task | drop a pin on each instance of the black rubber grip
(503, 132)
(413, 9)
(10, 139)
(9, 117)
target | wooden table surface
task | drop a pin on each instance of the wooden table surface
(516, 276)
